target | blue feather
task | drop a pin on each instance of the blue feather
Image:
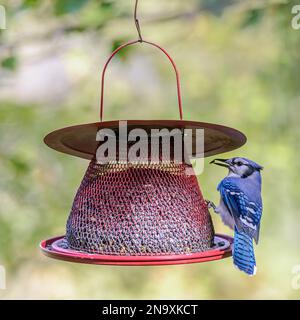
(243, 253)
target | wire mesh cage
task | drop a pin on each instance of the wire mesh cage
(139, 209)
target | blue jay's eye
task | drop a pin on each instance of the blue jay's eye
(239, 163)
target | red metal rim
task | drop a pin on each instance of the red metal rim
(80, 140)
(49, 248)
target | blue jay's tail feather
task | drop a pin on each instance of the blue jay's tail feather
(243, 253)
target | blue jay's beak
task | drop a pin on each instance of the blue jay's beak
(221, 162)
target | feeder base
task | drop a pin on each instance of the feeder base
(54, 248)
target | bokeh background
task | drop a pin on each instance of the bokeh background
(239, 63)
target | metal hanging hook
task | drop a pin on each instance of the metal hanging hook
(137, 23)
(140, 40)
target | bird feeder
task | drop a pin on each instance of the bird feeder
(139, 213)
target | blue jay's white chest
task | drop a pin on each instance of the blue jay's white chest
(225, 215)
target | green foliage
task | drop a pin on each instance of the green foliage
(214, 6)
(9, 63)
(124, 53)
(31, 3)
(253, 17)
(68, 6)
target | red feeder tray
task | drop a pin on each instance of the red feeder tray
(57, 248)
(139, 214)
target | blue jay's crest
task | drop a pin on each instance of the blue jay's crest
(253, 164)
(241, 203)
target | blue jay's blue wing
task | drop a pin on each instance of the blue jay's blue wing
(245, 208)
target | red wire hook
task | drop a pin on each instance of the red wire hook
(140, 40)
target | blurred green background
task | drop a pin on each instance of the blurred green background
(239, 63)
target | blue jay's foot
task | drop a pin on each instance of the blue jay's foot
(210, 205)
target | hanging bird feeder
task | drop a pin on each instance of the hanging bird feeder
(139, 213)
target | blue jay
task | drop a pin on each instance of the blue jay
(241, 208)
